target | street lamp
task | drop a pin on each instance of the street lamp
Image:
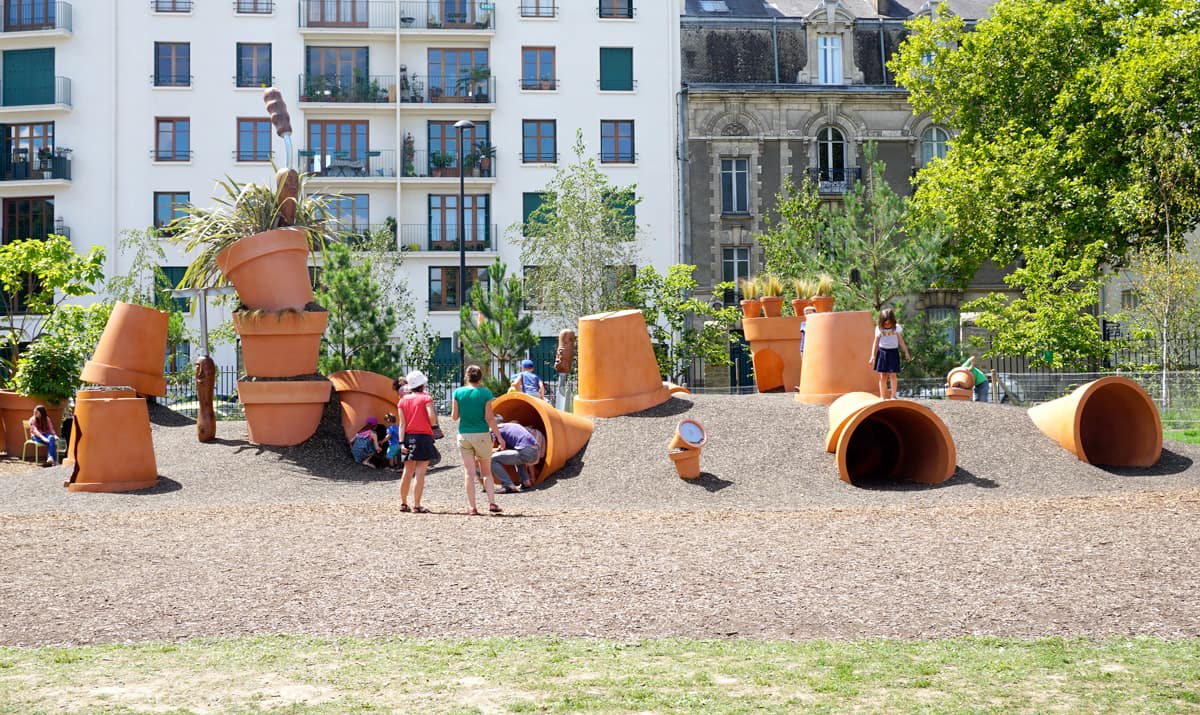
(462, 125)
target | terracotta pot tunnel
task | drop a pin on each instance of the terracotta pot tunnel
(1110, 421)
(881, 441)
(363, 394)
(566, 433)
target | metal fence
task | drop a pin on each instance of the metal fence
(181, 395)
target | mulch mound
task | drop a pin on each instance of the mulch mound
(768, 543)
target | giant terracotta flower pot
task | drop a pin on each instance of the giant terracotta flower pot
(775, 352)
(281, 413)
(111, 444)
(14, 409)
(363, 394)
(618, 373)
(132, 351)
(837, 354)
(566, 433)
(269, 269)
(282, 344)
(1110, 421)
(878, 441)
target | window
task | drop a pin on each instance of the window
(28, 218)
(735, 266)
(172, 5)
(829, 59)
(167, 280)
(531, 201)
(537, 8)
(933, 144)
(735, 186)
(172, 139)
(335, 140)
(336, 13)
(254, 139)
(29, 15)
(616, 69)
(28, 140)
(255, 7)
(330, 73)
(538, 141)
(253, 65)
(624, 201)
(617, 277)
(537, 68)
(1129, 299)
(831, 154)
(616, 141)
(172, 64)
(946, 317)
(443, 285)
(351, 211)
(443, 140)
(622, 9)
(449, 70)
(443, 222)
(169, 205)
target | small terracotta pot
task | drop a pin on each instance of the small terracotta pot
(281, 413)
(281, 344)
(775, 351)
(837, 354)
(132, 351)
(823, 303)
(687, 463)
(618, 373)
(14, 409)
(961, 377)
(752, 308)
(566, 434)
(798, 306)
(962, 394)
(110, 443)
(886, 440)
(270, 269)
(772, 306)
(1110, 421)
(363, 394)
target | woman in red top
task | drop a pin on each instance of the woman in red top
(417, 418)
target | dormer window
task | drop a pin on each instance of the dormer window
(829, 59)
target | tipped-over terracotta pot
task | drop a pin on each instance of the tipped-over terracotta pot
(775, 351)
(132, 350)
(110, 443)
(566, 433)
(1110, 421)
(363, 394)
(837, 354)
(14, 408)
(961, 377)
(270, 269)
(618, 373)
(283, 344)
(281, 413)
(878, 441)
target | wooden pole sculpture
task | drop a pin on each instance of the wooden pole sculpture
(564, 356)
(206, 370)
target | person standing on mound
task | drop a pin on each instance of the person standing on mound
(885, 352)
(472, 409)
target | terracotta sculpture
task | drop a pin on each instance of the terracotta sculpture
(111, 443)
(564, 356)
(1110, 421)
(775, 350)
(132, 350)
(618, 373)
(684, 448)
(883, 440)
(837, 347)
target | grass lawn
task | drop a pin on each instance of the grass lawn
(1190, 436)
(296, 674)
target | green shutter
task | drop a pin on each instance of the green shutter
(28, 77)
(616, 68)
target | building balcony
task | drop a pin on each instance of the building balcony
(355, 16)
(35, 94)
(45, 166)
(439, 165)
(358, 236)
(433, 15)
(364, 89)
(254, 7)
(171, 6)
(37, 16)
(434, 237)
(373, 164)
(834, 181)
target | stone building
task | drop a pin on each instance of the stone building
(775, 90)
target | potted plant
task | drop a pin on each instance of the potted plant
(473, 82)
(470, 164)
(547, 82)
(442, 163)
(435, 93)
(803, 288)
(772, 295)
(823, 298)
(45, 157)
(408, 155)
(751, 306)
(486, 152)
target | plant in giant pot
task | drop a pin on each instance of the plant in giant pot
(823, 298)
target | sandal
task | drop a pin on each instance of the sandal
(404, 507)
(420, 510)
(494, 508)
(472, 512)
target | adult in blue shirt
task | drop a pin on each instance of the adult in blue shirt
(522, 449)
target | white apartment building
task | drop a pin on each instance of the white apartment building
(158, 98)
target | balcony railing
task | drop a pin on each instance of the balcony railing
(539, 157)
(618, 84)
(439, 164)
(171, 154)
(171, 5)
(462, 91)
(253, 155)
(171, 79)
(616, 9)
(533, 84)
(373, 89)
(36, 15)
(375, 163)
(834, 181)
(253, 7)
(618, 157)
(538, 8)
(433, 15)
(18, 166)
(358, 236)
(36, 91)
(434, 237)
(252, 80)
(348, 14)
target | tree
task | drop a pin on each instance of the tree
(792, 242)
(51, 365)
(36, 277)
(143, 281)
(1167, 304)
(579, 239)
(682, 327)
(492, 324)
(361, 320)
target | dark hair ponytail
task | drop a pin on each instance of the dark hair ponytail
(474, 374)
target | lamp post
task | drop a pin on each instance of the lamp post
(462, 125)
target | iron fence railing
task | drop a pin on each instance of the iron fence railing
(36, 91)
(440, 15)
(834, 180)
(374, 163)
(343, 14)
(359, 89)
(427, 237)
(254, 7)
(181, 394)
(36, 15)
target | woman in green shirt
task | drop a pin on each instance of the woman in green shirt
(476, 424)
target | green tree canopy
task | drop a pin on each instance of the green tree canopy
(492, 323)
(361, 321)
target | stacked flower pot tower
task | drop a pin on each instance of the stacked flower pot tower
(776, 339)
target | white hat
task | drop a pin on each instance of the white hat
(415, 379)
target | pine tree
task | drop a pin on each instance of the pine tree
(492, 322)
(361, 319)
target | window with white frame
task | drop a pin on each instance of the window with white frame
(933, 144)
(829, 59)
(735, 186)
(735, 266)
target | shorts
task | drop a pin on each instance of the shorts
(393, 451)
(420, 447)
(887, 360)
(477, 445)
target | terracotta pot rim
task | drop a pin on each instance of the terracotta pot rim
(284, 323)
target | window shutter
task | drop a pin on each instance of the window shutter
(616, 68)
